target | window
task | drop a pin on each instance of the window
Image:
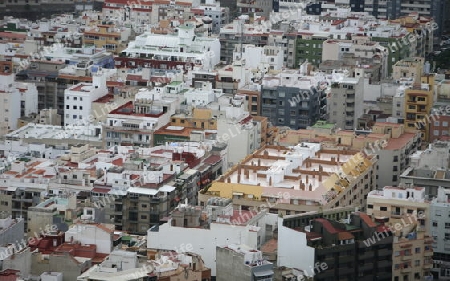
(143, 217)
(369, 206)
(435, 224)
(144, 206)
(435, 132)
(436, 123)
(438, 213)
(74, 98)
(447, 225)
(81, 108)
(67, 107)
(417, 250)
(74, 116)
(444, 124)
(396, 158)
(447, 236)
(383, 208)
(75, 107)
(4, 203)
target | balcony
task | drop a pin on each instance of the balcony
(428, 253)
(406, 269)
(428, 266)
(406, 257)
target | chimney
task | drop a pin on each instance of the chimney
(270, 181)
(259, 162)
(239, 178)
(228, 180)
(310, 187)
(303, 186)
(307, 179)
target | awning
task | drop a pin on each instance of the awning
(263, 273)
(140, 190)
(238, 193)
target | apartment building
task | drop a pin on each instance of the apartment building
(10, 105)
(134, 122)
(419, 100)
(106, 36)
(406, 213)
(125, 265)
(392, 144)
(10, 229)
(359, 46)
(242, 263)
(297, 179)
(439, 128)
(255, 8)
(241, 32)
(325, 248)
(181, 50)
(412, 68)
(59, 210)
(394, 155)
(429, 168)
(78, 99)
(345, 102)
(439, 227)
(291, 99)
(207, 227)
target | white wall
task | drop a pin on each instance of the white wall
(90, 234)
(292, 249)
(201, 241)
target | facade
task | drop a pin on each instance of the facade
(392, 144)
(214, 225)
(332, 249)
(171, 51)
(236, 128)
(439, 124)
(438, 223)
(240, 263)
(100, 235)
(134, 122)
(405, 212)
(418, 103)
(78, 99)
(10, 230)
(10, 108)
(171, 266)
(412, 68)
(292, 100)
(345, 102)
(292, 180)
(429, 168)
(43, 214)
(106, 36)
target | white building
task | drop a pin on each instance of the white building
(263, 58)
(227, 226)
(182, 47)
(100, 235)
(235, 127)
(202, 96)
(78, 98)
(29, 97)
(9, 103)
(439, 225)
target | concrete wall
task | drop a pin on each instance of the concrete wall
(288, 239)
(12, 233)
(20, 261)
(201, 241)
